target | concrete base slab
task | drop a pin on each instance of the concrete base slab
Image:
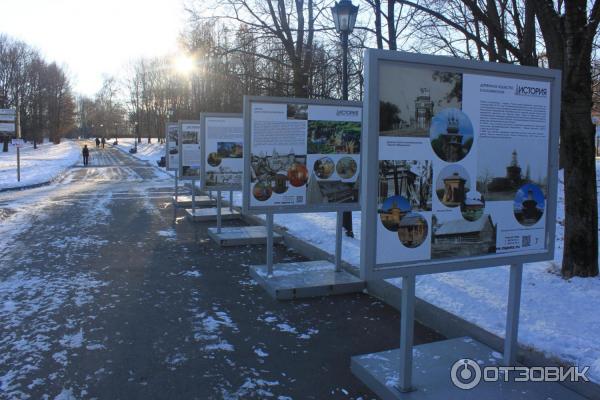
(210, 214)
(432, 364)
(186, 201)
(242, 235)
(305, 279)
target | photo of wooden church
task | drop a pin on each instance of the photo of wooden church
(462, 238)
(411, 179)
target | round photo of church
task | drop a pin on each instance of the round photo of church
(324, 167)
(297, 174)
(451, 134)
(452, 185)
(262, 191)
(392, 210)
(529, 204)
(412, 230)
(473, 206)
(214, 159)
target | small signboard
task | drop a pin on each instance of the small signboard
(17, 142)
(7, 127)
(190, 154)
(8, 115)
(172, 148)
(222, 151)
(301, 155)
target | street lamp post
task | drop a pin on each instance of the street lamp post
(344, 17)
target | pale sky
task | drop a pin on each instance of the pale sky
(94, 37)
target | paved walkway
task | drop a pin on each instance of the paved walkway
(105, 293)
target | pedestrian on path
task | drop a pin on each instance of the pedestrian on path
(103, 142)
(97, 142)
(86, 155)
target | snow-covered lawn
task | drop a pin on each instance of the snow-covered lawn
(37, 166)
(145, 151)
(560, 318)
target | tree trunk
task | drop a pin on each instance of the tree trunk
(581, 206)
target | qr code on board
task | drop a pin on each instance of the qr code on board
(526, 241)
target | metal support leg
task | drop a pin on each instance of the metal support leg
(176, 186)
(338, 242)
(269, 244)
(193, 199)
(218, 211)
(511, 344)
(231, 200)
(407, 321)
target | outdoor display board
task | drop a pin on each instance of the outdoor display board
(460, 164)
(222, 151)
(190, 150)
(172, 147)
(301, 155)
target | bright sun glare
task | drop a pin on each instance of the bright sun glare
(184, 64)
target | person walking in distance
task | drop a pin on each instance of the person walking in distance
(86, 155)
(103, 142)
(97, 142)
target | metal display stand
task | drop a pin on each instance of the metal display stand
(286, 281)
(299, 279)
(424, 371)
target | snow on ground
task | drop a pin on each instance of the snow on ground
(151, 152)
(37, 166)
(558, 317)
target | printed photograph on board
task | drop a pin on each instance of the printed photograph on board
(278, 172)
(230, 149)
(456, 237)
(339, 137)
(412, 230)
(452, 185)
(297, 111)
(451, 134)
(411, 179)
(505, 166)
(529, 204)
(410, 97)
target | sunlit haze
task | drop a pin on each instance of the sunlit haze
(95, 38)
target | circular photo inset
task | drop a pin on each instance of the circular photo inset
(451, 134)
(452, 185)
(529, 204)
(297, 174)
(262, 191)
(214, 159)
(412, 230)
(324, 167)
(392, 210)
(280, 186)
(346, 167)
(473, 206)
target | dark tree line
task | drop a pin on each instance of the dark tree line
(42, 90)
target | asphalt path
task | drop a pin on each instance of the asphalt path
(106, 292)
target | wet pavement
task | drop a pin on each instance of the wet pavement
(107, 292)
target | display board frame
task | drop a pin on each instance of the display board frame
(168, 157)
(370, 269)
(324, 207)
(203, 167)
(199, 142)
